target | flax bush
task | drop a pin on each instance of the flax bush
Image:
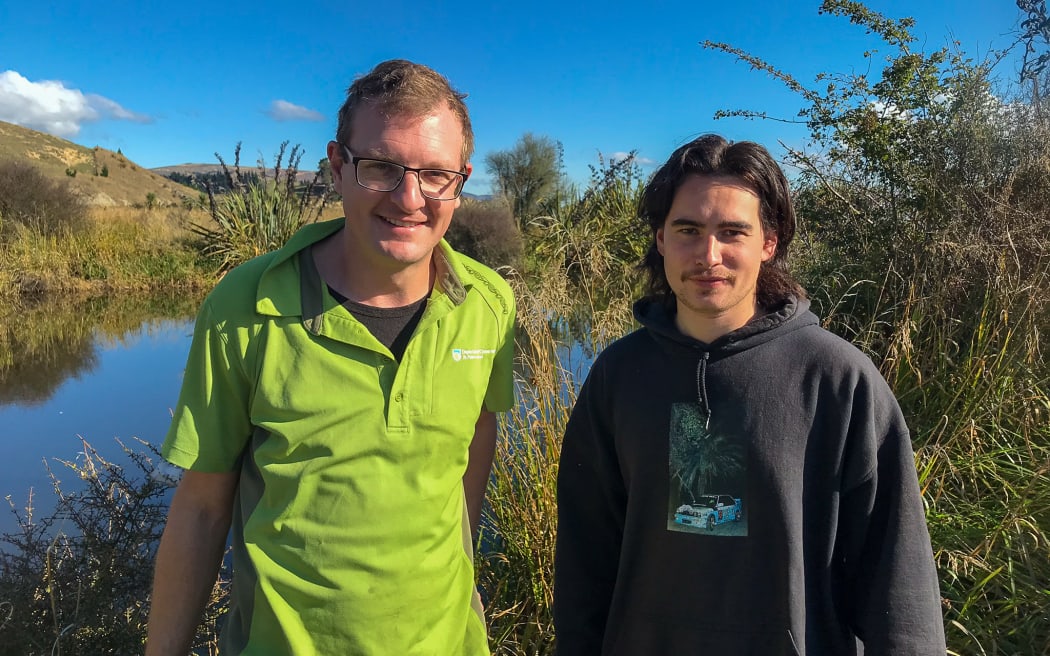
(260, 210)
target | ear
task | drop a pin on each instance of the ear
(660, 240)
(468, 168)
(335, 160)
(769, 246)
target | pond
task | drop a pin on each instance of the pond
(98, 370)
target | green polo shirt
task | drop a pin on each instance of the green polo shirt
(349, 517)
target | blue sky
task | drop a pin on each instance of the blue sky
(170, 83)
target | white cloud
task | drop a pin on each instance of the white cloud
(50, 106)
(282, 110)
(622, 155)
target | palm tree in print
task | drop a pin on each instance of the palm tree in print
(697, 455)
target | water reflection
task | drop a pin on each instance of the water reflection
(45, 343)
(97, 369)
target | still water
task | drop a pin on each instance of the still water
(100, 371)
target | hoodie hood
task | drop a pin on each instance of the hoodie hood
(655, 316)
(659, 321)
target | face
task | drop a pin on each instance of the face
(713, 247)
(397, 230)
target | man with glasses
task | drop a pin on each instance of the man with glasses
(339, 408)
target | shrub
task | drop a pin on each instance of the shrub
(486, 231)
(31, 199)
(259, 213)
(78, 581)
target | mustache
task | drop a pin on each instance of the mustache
(705, 273)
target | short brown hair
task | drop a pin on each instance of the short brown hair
(749, 162)
(398, 88)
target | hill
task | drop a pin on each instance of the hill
(102, 176)
(206, 169)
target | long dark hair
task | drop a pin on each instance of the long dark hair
(750, 163)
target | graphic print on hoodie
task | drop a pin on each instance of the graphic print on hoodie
(708, 475)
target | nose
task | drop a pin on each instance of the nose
(709, 252)
(407, 195)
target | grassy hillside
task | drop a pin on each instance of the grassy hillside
(126, 183)
(190, 169)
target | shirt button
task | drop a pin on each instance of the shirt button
(400, 396)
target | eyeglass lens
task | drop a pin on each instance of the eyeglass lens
(385, 176)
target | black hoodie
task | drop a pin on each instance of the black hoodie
(755, 495)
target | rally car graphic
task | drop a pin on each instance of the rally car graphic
(709, 510)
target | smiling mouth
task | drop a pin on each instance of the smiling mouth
(401, 224)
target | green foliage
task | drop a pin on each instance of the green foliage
(105, 171)
(78, 580)
(71, 172)
(696, 455)
(923, 157)
(260, 212)
(486, 231)
(974, 386)
(324, 171)
(528, 174)
(30, 199)
(151, 200)
(595, 236)
(138, 251)
(1035, 29)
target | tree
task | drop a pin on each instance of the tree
(697, 456)
(527, 174)
(913, 156)
(324, 171)
(1035, 27)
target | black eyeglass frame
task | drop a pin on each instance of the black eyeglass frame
(350, 157)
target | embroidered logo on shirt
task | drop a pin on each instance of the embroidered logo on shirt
(470, 354)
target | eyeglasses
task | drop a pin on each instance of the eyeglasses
(381, 175)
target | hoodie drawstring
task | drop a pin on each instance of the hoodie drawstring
(701, 388)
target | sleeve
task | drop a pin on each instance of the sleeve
(890, 583)
(211, 423)
(499, 397)
(592, 503)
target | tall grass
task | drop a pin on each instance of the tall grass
(975, 387)
(117, 250)
(515, 562)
